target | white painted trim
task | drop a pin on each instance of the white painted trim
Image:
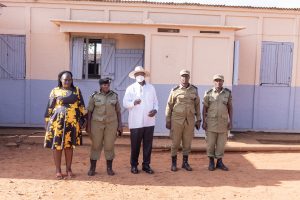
(61, 22)
(236, 59)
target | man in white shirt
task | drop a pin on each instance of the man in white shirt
(141, 101)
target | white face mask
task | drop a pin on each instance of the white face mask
(140, 78)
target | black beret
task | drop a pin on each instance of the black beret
(104, 81)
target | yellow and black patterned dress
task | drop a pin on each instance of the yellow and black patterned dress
(64, 113)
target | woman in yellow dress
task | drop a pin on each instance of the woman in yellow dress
(64, 117)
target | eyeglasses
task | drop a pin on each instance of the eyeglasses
(66, 80)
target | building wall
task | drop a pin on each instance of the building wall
(255, 107)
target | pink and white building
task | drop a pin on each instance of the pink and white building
(256, 48)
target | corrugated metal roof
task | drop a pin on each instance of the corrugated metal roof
(257, 4)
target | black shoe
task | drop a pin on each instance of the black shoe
(220, 165)
(211, 165)
(174, 164)
(92, 170)
(134, 170)
(147, 169)
(109, 169)
(185, 163)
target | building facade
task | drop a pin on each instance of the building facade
(255, 48)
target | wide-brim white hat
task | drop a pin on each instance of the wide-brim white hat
(138, 69)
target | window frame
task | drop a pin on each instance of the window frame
(85, 56)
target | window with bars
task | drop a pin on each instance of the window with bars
(86, 58)
(92, 58)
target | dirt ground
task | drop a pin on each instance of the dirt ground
(27, 172)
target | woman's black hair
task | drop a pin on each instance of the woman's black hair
(59, 84)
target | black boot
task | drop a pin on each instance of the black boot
(220, 165)
(147, 169)
(174, 164)
(92, 170)
(211, 166)
(109, 169)
(185, 164)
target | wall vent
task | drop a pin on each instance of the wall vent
(168, 30)
(210, 32)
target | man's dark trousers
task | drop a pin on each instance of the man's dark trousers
(137, 135)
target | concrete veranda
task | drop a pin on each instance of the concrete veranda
(239, 142)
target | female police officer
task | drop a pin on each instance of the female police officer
(104, 121)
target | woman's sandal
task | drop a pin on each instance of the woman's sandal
(70, 174)
(59, 176)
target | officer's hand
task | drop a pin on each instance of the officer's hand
(197, 124)
(204, 125)
(229, 126)
(152, 113)
(120, 131)
(136, 102)
(168, 125)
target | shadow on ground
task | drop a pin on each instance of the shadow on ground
(32, 161)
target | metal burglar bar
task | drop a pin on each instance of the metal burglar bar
(86, 58)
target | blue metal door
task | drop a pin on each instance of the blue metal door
(12, 83)
(126, 61)
(272, 110)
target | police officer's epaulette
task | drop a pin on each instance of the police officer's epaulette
(175, 88)
(226, 89)
(194, 87)
(113, 92)
(95, 92)
(208, 91)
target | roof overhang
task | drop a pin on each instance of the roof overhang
(78, 26)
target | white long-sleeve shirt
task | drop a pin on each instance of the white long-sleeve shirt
(138, 114)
